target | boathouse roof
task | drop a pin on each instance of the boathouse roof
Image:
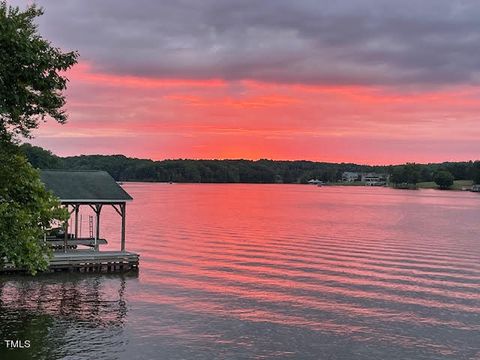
(83, 186)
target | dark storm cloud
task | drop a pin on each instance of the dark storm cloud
(428, 42)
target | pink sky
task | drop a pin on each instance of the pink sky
(169, 118)
(340, 82)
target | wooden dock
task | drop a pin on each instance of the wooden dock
(71, 252)
(94, 261)
(88, 261)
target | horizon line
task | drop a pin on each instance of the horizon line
(256, 159)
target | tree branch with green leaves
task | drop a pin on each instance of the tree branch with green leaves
(31, 73)
(32, 84)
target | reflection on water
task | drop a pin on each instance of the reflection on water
(64, 315)
(268, 271)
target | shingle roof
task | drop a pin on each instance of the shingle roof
(83, 186)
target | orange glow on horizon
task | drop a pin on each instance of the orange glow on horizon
(214, 119)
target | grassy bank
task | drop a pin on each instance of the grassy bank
(457, 185)
(341, 183)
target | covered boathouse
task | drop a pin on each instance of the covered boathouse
(93, 189)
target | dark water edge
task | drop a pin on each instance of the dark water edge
(78, 316)
(64, 315)
(267, 272)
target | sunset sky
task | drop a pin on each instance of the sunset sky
(370, 81)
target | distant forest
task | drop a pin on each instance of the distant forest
(123, 168)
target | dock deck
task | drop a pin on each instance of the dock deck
(91, 242)
(99, 261)
(89, 261)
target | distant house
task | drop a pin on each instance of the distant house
(475, 188)
(349, 176)
(374, 179)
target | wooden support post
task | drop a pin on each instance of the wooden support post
(98, 209)
(77, 208)
(122, 211)
(65, 237)
(123, 208)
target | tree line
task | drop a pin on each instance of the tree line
(123, 168)
(443, 174)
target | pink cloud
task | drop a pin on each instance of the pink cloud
(170, 118)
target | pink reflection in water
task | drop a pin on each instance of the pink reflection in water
(359, 260)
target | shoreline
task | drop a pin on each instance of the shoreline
(459, 185)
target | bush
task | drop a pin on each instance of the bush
(26, 210)
(444, 179)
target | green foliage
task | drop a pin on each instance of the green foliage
(397, 176)
(205, 171)
(43, 159)
(30, 81)
(406, 174)
(426, 173)
(476, 172)
(31, 88)
(123, 168)
(444, 179)
(26, 210)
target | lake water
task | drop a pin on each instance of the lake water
(267, 272)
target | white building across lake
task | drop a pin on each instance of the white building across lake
(370, 179)
(374, 179)
(350, 176)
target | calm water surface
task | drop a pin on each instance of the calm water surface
(267, 271)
